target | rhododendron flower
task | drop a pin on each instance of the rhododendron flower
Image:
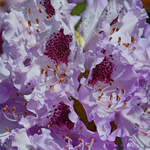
(74, 75)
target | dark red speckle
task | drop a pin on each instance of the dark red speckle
(48, 7)
(102, 72)
(103, 51)
(60, 116)
(57, 47)
(114, 21)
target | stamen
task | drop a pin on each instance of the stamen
(29, 11)
(123, 90)
(119, 40)
(110, 38)
(47, 17)
(13, 120)
(51, 87)
(5, 108)
(68, 138)
(133, 48)
(111, 96)
(126, 44)
(46, 73)
(39, 131)
(42, 70)
(7, 129)
(48, 66)
(14, 109)
(17, 94)
(118, 98)
(37, 20)
(132, 39)
(100, 96)
(55, 72)
(81, 140)
(48, 125)
(117, 89)
(29, 23)
(25, 104)
(37, 30)
(40, 10)
(100, 89)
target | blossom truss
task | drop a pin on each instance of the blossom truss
(74, 75)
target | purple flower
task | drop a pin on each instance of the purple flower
(76, 89)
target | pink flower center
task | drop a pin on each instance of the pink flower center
(60, 116)
(48, 7)
(57, 47)
(102, 72)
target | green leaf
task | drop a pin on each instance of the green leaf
(77, 25)
(78, 9)
(80, 111)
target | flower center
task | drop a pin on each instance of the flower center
(102, 72)
(57, 47)
(48, 7)
(60, 116)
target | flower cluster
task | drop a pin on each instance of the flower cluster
(74, 75)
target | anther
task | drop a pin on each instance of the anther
(100, 89)
(68, 138)
(37, 20)
(119, 40)
(40, 10)
(109, 105)
(117, 89)
(46, 73)
(133, 48)
(110, 83)
(55, 72)
(7, 129)
(39, 131)
(25, 113)
(17, 94)
(29, 11)
(111, 96)
(25, 104)
(51, 86)
(38, 30)
(14, 109)
(87, 145)
(21, 22)
(42, 70)
(47, 17)
(117, 29)
(113, 30)
(80, 140)
(66, 147)
(29, 23)
(100, 96)
(5, 108)
(118, 98)
(126, 44)
(110, 38)
(123, 91)
(132, 39)
(92, 139)
(48, 66)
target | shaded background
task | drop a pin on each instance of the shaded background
(147, 7)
